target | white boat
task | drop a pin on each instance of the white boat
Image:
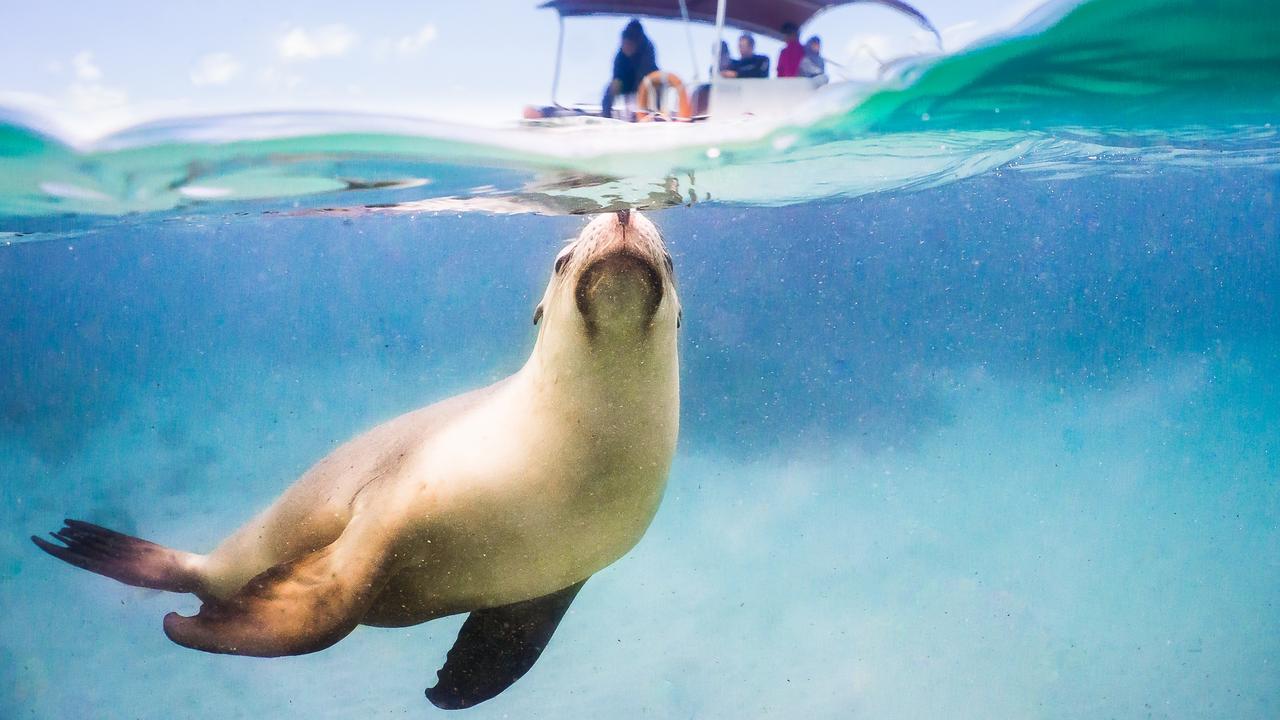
(722, 99)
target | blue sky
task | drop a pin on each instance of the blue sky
(93, 67)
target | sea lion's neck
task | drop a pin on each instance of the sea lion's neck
(580, 365)
(620, 407)
(610, 374)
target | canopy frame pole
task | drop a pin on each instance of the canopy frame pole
(688, 36)
(720, 10)
(555, 80)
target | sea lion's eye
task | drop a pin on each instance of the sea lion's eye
(563, 258)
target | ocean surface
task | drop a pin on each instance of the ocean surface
(980, 383)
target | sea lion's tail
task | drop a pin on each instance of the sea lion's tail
(130, 560)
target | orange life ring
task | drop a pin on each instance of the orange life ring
(648, 88)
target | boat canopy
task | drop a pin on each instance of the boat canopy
(764, 17)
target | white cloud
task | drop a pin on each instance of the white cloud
(93, 97)
(86, 94)
(84, 66)
(277, 79)
(413, 44)
(86, 108)
(215, 69)
(326, 41)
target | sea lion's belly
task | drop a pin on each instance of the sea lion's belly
(527, 494)
(497, 543)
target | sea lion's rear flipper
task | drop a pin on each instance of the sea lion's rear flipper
(131, 560)
(496, 647)
(294, 608)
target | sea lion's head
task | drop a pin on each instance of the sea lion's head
(614, 284)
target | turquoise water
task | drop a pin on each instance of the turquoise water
(1109, 86)
(982, 422)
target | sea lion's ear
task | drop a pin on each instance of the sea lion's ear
(562, 258)
(679, 318)
(537, 314)
(496, 647)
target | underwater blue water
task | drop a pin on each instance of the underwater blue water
(1007, 448)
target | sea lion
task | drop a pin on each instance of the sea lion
(500, 502)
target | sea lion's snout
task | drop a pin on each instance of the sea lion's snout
(616, 278)
(623, 273)
(620, 290)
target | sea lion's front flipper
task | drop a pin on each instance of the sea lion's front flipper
(496, 647)
(294, 608)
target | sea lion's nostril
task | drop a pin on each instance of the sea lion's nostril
(624, 217)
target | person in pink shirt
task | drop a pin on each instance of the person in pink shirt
(792, 53)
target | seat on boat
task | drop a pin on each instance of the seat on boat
(735, 97)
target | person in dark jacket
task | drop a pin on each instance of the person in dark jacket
(636, 58)
(748, 64)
